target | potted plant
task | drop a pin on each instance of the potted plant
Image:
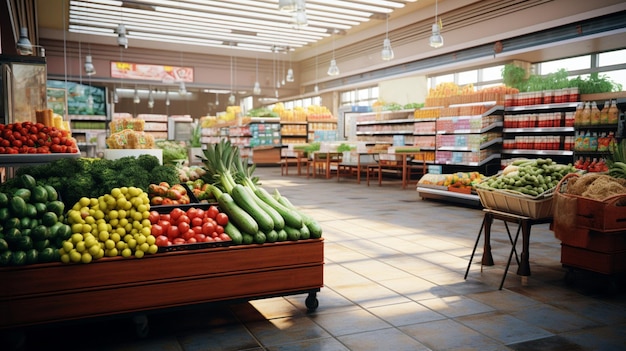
(195, 144)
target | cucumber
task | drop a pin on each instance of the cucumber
(247, 239)
(271, 236)
(314, 227)
(282, 235)
(260, 237)
(292, 233)
(234, 233)
(304, 232)
(279, 221)
(242, 220)
(292, 218)
(247, 203)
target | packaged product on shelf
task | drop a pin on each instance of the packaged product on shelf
(604, 113)
(120, 124)
(595, 114)
(130, 139)
(613, 113)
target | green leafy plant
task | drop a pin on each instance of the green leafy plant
(196, 135)
(344, 147)
(514, 76)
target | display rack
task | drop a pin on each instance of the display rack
(50, 292)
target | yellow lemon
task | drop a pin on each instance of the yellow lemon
(84, 201)
(127, 252)
(86, 258)
(139, 254)
(153, 249)
(116, 192)
(150, 239)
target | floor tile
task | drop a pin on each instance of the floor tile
(349, 322)
(285, 331)
(450, 335)
(385, 339)
(405, 313)
(456, 306)
(504, 328)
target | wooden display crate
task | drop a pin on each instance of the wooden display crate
(54, 292)
(608, 263)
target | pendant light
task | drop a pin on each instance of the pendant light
(217, 100)
(290, 77)
(136, 98)
(257, 86)
(90, 70)
(150, 99)
(333, 70)
(167, 98)
(436, 40)
(23, 45)
(387, 53)
(122, 39)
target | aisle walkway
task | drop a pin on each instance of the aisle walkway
(393, 281)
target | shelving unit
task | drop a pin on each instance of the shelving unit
(293, 132)
(86, 129)
(321, 130)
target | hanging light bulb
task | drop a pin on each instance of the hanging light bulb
(232, 99)
(116, 98)
(150, 100)
(387, 53)
(182, 90)
(23, 45)
(316, 89)
(256, 90)
(217, 100)
(290, 77)
(333, 70)
(136, 99)
(167, 98)
(299, 18)
(89, 67)
(122, 39)
(436, 40)
(287, 5)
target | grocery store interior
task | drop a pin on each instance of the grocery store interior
(415, 90)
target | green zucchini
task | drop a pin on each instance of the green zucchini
(235, 235)
(271, 236)
(292, 233)
(242, 220)
(282, 235)
(260, 237)
(304, 232)
(247, 239)
(279, 221)
(292, 218)
(314, 227)
(246, 202)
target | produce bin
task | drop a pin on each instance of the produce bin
(535, 208)
(55, 292)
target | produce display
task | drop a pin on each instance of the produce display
(458, 180)
(35, 138)
(529, 177)
(31, 224)
(256, 215)
(92, 177)
(193, 226)
(617, 163)
(166, 194)
(596, 186)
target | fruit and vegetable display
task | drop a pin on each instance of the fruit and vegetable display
(595, 186)
(255, 215)
(74, 178)
(617, 162)
(458, 180)
(195, 225)
(35, 138)
(31, 223)
(531, 177)
(166, 194)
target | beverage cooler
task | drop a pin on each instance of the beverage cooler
(22, 88)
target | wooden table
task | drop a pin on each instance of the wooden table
(404, 166)
(300, 159)
(524, 225)
(325, 158)
(360, 166)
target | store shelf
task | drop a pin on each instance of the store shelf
(539, 152)
(395, 132)
(539, 130)
(87, 118)
(472, 164)
(436, 194)
(542, 108)
(467, 148)
(391, 121)
(473, 131)
(32, 159)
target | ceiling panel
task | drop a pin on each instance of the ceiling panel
(251, 25)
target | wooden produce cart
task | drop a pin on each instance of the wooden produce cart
(56, 292)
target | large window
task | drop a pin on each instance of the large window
(359, 97)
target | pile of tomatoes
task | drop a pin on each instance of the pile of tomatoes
(35, 138)
(195, 225)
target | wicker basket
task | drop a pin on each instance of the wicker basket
(533, 207)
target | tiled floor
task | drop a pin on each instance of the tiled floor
(393, 281)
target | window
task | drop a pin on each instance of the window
(570, 64)
(467, 77)
(359, 97)
(610, 58)
(491, 73)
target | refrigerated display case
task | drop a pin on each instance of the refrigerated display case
(22, 88)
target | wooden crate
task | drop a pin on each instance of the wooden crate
(600, 262)
(53, 292)
(607, 242)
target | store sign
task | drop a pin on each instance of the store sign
(165, 74)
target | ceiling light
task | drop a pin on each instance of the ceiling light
(89, 67)
(333, 70)
(136, 98)
(387, 53)
(167, 98)
(299, 18)
(287, 5)
(23, 45)
(116, 98)
(150, 100)
(257, 87)
(436, 40)
(290, 75)
(232, 99)
(182, 90)
(122, 40)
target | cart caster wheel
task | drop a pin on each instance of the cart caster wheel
(141, 325)
(311, 302)
(570, 277)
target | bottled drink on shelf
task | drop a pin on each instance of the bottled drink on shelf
(595, 114)
(613, 116)
(579, 114)
(585, 119)
(604, 113)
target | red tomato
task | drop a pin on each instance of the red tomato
(197, 229)
(183, 219)
(192, 212)
(187, 234)
(166, 217)
(224, 237)
(222, 219)
(192, 240)
(173, 232)
(162, 240)
(175, 213)
(219, 229)
(165, 224)
(156, 229)
(208, 228)
(200, 238)
(178, 241)
(154, 217)
(196, 222)
(201, 213)
(183, 227)
(212, 212)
